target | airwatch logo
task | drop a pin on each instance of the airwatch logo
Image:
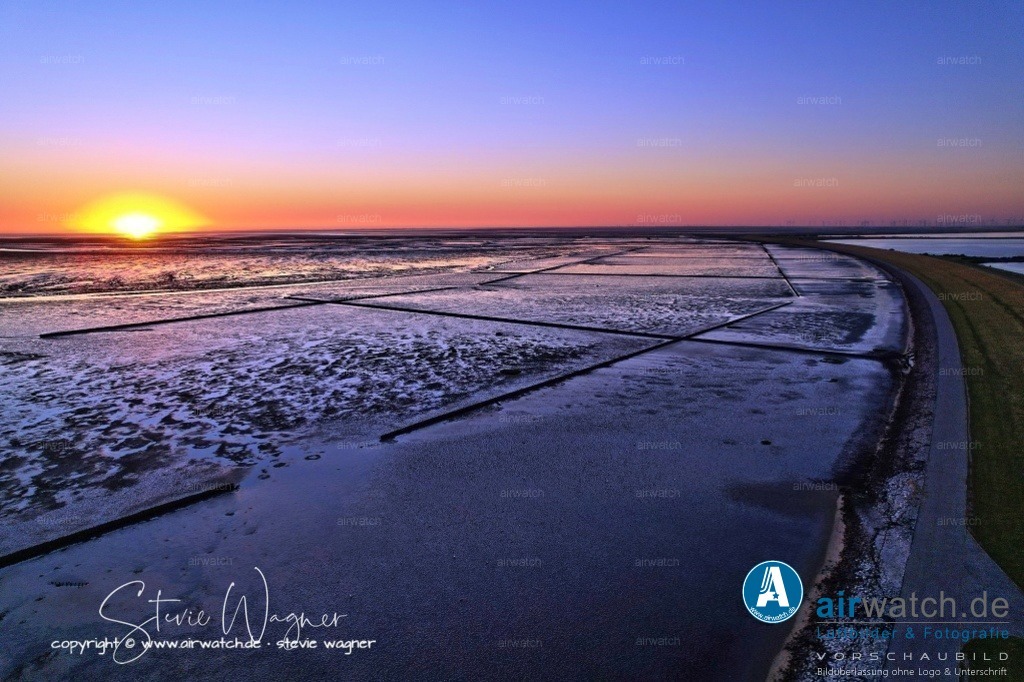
(772, 591)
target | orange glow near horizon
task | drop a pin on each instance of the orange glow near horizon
(616, 191)
(136, 216)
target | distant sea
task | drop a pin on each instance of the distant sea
(981, 245)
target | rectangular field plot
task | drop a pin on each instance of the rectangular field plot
(532, 264)
(376, 286)
(837, 323)
(760, 287)
(815, 263)
(630, 264)
(97, 412)
(30, 317)
(629, 304)
(702, 250)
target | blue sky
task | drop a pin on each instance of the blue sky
(141, 91)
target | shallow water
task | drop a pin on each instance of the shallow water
(946, 246)
(1009, 267)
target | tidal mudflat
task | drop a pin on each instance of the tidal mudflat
(494, 457)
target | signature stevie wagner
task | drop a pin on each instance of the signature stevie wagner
(124, 647)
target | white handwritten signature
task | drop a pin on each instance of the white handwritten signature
(139, 636)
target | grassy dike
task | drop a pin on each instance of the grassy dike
(987, 311)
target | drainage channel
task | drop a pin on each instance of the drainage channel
(781, 271)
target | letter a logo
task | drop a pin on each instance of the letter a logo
(772, 591)
(772, 588)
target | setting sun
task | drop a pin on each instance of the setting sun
(137, 216)
(137, 225)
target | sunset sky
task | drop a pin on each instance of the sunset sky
(374, 114)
